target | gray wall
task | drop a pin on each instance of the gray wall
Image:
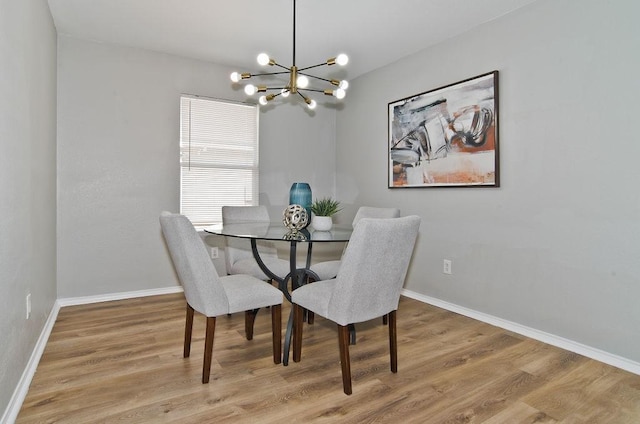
(27, 182)
(557, 246)
(118, 160)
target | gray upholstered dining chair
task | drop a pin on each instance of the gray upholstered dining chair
(212, 295)
(368, 285)
(329, 269)
(238, 256)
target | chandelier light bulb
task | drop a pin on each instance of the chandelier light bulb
(236, 76)
(311, 104)
(339, 93)
(263, 100)
(250, 89)
(263, 59)
(344, 84)
(285, 92)
(342, 59)
(302, 81)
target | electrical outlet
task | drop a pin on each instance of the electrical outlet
(28, 304)
(446, 266)
(214, 253)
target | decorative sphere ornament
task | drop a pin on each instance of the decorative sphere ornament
(295, 235)
(295, 217)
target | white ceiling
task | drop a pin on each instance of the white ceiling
(232, 32)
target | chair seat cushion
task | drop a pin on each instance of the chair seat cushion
(249, 266)
(246, 292)
(326, 270)
(315, 296)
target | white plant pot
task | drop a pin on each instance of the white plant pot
(322, 223)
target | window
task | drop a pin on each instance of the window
(218, 157)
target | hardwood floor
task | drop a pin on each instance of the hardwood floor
(122, 362)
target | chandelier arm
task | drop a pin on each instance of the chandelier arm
(314, 66)
(312, 89)
(313, 76)
(281, 66)
(270, 73)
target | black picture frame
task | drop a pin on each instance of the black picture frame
(446, 137)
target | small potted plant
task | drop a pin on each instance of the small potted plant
(323, 210)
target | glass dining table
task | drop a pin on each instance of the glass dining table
(276, 231)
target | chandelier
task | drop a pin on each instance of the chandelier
(298, 78)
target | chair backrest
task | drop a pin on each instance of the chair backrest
(239, 214)
(240, 249)
(371, 212)
(373, 269)
(196, 272)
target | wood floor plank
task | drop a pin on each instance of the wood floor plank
(122, 362)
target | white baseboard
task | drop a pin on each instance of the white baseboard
(570, 345)
(85, 300)
(19, 394)
(11, 413)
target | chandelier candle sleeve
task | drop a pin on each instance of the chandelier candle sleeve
(298, 81)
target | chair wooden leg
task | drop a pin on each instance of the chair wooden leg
(208, 349)
(343, 341)
(298, 313)
(249, 320)
(276, 330)
(393, 341)
(385, 319)
(188, 327)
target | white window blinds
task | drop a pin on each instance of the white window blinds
(218, 157)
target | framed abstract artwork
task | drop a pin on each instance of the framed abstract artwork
(446, 137)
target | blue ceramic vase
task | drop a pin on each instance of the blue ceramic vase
(300, 194)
